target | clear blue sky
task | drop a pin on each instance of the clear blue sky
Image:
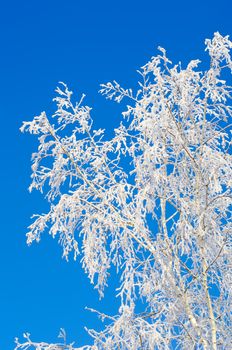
(82, 43)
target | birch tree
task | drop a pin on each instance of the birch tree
(154, 201)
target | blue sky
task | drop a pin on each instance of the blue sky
(83, 43)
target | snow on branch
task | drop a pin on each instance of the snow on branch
(154, 201)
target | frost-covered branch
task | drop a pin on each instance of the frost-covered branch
(154, 201)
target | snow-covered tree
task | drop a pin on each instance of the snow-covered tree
(154, 201)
